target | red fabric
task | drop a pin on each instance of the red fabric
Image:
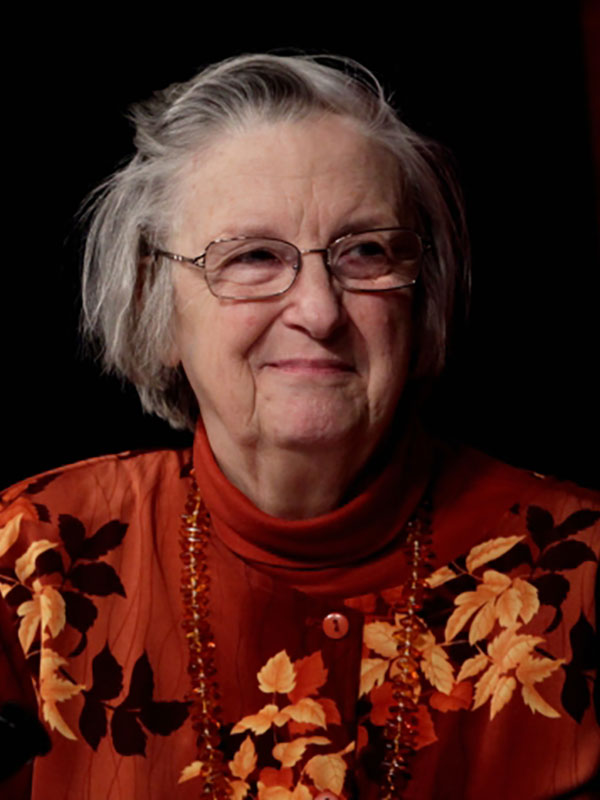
(112, 525)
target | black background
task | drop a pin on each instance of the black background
(504, 87)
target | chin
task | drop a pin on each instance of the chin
(305, 430)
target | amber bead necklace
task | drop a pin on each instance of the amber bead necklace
(399, 732)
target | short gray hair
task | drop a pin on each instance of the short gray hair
(128, 297)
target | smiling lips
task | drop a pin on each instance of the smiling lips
(311, 366)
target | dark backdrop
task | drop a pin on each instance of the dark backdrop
(504, 88)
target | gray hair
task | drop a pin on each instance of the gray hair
(128, 297)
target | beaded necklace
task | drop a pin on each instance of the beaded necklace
(399, 732)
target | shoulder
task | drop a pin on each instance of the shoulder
(513, 597)
(478, 497)
(466, 472)
(128, 468)
(92, 492)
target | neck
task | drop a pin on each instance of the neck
(292, 484)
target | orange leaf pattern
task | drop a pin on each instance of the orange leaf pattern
(306, 710)
(9, 533)
(372, 673)
(46, 607)
(502, 693)
(25, 565)
(485, 686)
(332, 714)
(435, 663)
(536, 702)
(481, 651)
(460, 697)
(440, 576)
(55, 689)
(57, 589)
(381, 698)
(310, 676)
(262, 721)
(488, 551)
(30, 611)
(239, 789)
(507, 608)
(277, 675)
(327, 772)
(532, 670)
(301, 792)
(45, 611)
(289, 753)
(483, 622)
(425, 730)
(244, 761)
(528, 596)
(502, 658)
(191, 771)
(472, 666)
(380, 637)
(298, 680)
(269, 776)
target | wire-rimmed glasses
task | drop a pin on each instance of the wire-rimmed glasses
(255, 268)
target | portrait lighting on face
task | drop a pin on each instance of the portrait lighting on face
(318, 599)
(248, 268)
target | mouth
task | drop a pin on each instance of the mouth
(311, 366)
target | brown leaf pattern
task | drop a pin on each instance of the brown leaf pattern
(301, 771)
(43, 617)
(501, 661)
(492, 618)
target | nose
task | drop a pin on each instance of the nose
(315, 301)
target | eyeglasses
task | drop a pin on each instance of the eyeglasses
(255, 268)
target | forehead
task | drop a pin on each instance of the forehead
(310, 174)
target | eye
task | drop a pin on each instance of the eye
(235, 255)
(362, 257)
(366, 250)
(260, 256)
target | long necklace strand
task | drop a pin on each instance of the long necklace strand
(205, 696)
(400, 731)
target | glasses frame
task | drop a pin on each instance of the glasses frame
(199, 261)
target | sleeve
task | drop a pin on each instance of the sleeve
(22, 735)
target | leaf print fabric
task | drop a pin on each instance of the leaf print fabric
(46, 608)
(493, 617)
(53, 586)
(278, 675)
(53, 688)
(300, 770)
(45, 613)
(506, 654)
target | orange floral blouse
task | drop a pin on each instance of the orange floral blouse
(306, 642)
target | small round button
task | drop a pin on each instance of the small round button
(327, 796)
(335, 626)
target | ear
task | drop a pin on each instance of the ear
(171, 356)
(146, 276)
(146, 269)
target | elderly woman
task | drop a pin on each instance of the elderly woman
(318, 600)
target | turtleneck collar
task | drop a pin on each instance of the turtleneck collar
(351, 534)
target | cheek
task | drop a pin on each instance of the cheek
(213, 339)
(385, 325)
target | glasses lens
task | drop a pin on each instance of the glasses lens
(250, 268)
(377, 260)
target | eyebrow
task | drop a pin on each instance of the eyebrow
(252, 231)
(363, 224)
(355, 226)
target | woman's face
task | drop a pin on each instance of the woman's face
(316, 367)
